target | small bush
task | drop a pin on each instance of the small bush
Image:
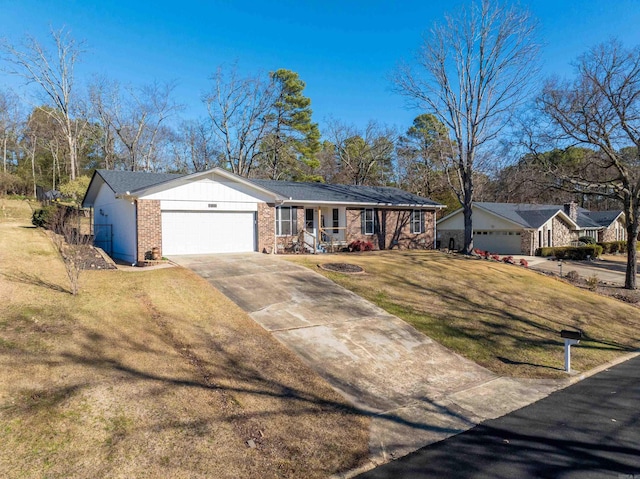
(508, 260)
(524, 262)
(44, 216)
(587, 239)
(358, 245)
(573, 275)
(592, 282)
(495, 257)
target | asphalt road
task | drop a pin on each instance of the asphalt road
(588, 430)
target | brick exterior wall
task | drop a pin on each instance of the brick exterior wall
(445, 237)
(266, 227)
(149, 224)
(561, 233)
(528, 242)
(609, 234)
(394, 229)
(285, 243)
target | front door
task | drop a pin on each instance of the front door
(310, 226)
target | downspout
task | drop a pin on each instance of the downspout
(275, 221)
(135, 219)
(433, 246)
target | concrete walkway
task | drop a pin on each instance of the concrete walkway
(416, 391)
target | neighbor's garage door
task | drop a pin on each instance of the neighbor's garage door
(191, 232)
(499, 242)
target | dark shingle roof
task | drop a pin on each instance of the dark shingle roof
(378, 195)
(123, 181)
(534, 216)
(603, 218)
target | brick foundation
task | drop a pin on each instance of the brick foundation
(445, 237)
(149, 224)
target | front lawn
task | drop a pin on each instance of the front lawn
(151, 374)
(501, 316)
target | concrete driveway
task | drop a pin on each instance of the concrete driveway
(417, 391)
(606, 269)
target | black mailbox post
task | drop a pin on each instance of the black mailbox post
(570, 338)
(565, 333)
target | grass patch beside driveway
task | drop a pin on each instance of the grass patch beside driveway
(151, 374)
(503, 317)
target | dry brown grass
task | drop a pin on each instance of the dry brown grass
(152, 374)
(504, 317)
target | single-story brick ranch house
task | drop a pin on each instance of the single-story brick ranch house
(510, 228)
(216, 211)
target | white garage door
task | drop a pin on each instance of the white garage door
(499, 242)
(191, 232)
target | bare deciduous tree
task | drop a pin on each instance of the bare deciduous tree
(11, 118)
(53, 73)
(136, 117)
(363, 156)
(473, 70)
(600, 109)
(239, 109)
(193, 147)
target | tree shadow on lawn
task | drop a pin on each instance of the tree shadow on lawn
(513, 322)
(225, 372)
(34, 280)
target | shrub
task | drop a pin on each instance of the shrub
(43, 217)
(611, 247)
(509, 260)
(11, 184)
(573, 275)
(571, 252)
(592, 282)
(545, 252)
(495, 257)
(587, 240)
(524, 262)
(75, 189)
(358, 245)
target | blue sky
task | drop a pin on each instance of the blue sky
(343, 50)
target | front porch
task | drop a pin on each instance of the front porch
(318, 229)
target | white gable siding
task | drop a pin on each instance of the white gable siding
(482, 220)
(120, 215)
(206, 194)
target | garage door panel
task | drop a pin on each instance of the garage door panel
(198, 232)
(499, 242)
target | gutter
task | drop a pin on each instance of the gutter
(360, 203)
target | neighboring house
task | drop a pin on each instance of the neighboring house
(216, 211)
(510, 228)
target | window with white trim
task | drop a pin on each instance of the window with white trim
(286, 221)
(336, 220)
(417, 221)
(368, 221)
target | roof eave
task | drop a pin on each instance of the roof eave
(361, 203)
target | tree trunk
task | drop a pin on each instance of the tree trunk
(73, 156)
(4, 155)
(632, 255)
(467, 202)
(33, 167)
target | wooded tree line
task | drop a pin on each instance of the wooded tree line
(472, 78)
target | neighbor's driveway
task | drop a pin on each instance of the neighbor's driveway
(417, 391)
(605, 269)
